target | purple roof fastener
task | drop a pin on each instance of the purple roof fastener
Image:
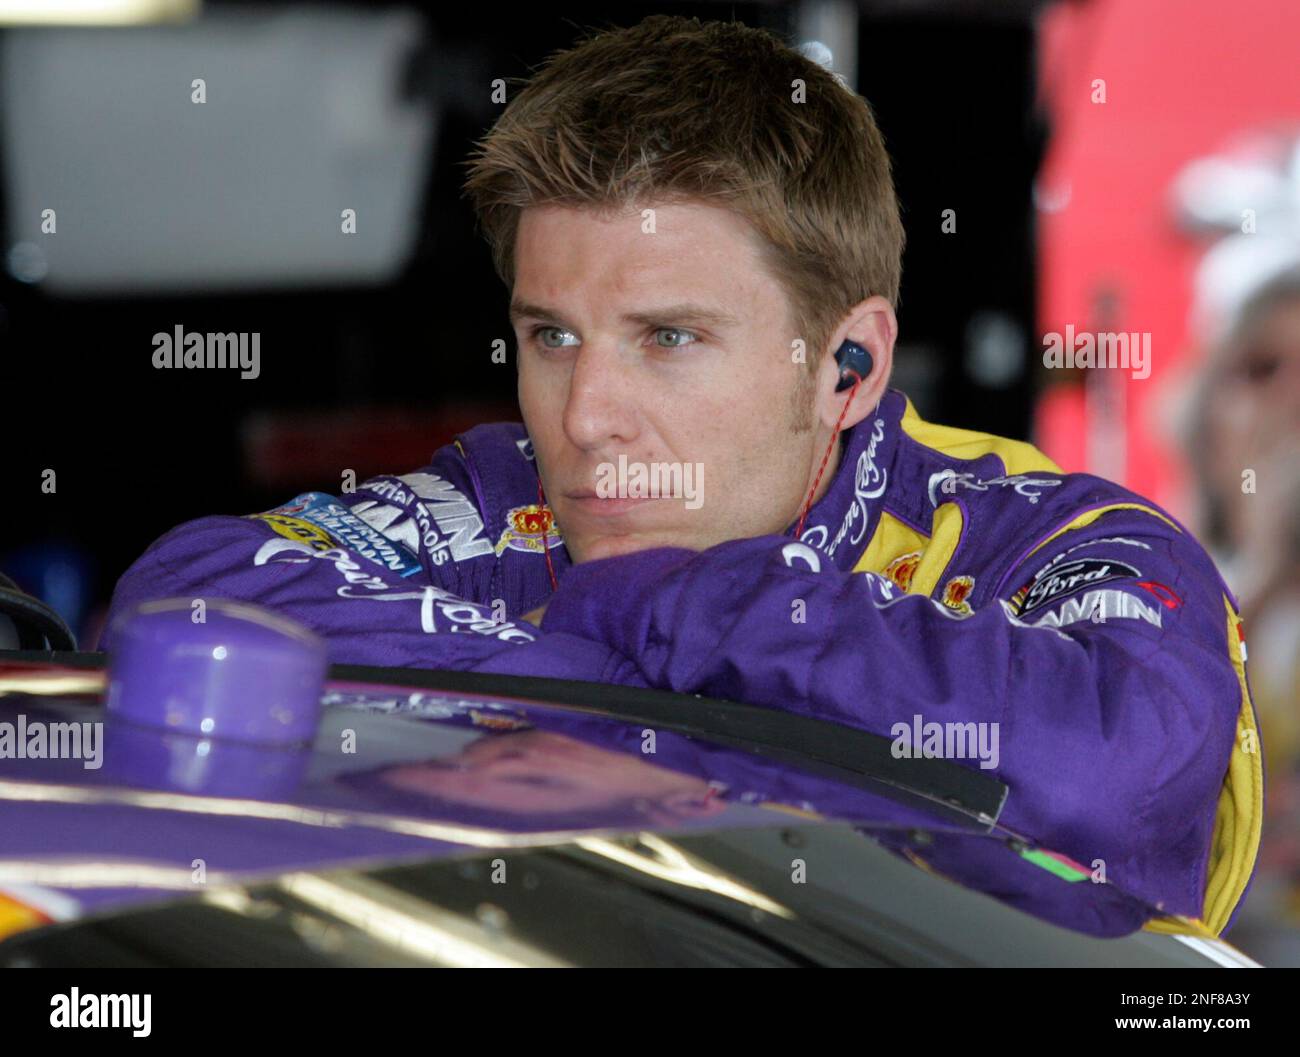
(216, 669)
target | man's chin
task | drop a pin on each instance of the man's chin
(613, 546)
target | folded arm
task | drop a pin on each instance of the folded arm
(370, 610)
(1115, 716)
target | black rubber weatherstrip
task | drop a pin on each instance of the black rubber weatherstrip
(36, 623)
(846, 754)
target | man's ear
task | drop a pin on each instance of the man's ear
(872, 324)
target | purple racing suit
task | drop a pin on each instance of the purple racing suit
(950, 588)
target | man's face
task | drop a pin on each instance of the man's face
(1254, 422)
(535, 772)
(672, 347)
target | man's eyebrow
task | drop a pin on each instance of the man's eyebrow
(668, 314)
(683, 313)
(523, 309)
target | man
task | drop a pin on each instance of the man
(700, 234)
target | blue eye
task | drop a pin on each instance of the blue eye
(540, 334)
(675, 344)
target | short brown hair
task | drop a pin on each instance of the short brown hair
(676, 109)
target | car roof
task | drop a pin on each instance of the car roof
(411, 765)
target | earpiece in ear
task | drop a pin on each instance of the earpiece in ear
(855, 364)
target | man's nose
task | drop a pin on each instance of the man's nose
(597, 409)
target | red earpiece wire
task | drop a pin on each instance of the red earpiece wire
(807, 505)
(546, 542)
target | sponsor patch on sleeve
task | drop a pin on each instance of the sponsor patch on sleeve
(296, 528)
(1100, 606)
(334, 521)
(1068, 573)
(1065, 578)
(1116, 584)
(424, 513)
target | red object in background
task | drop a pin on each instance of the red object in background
(299, 450)
(1181, 77)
